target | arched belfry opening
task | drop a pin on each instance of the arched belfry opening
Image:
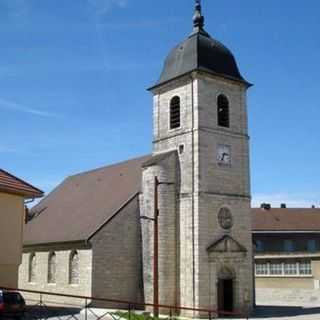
(226, 290)
(223, 111)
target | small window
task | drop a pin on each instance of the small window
(175, 113)
(52, 267)
(312, 245)
(223, 111)
(32, 267)
(259, 246)
(288, 246)
(74, 268)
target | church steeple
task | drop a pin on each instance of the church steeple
(198, 18)
(200, 52)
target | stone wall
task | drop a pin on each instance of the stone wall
(288, 297)
(223, 186)
(166, 171)
(164, 140)
(205, 186)
(62, 283)
(210, 264)
(285, 283)
(116, 257)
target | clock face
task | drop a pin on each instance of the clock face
(224, 155)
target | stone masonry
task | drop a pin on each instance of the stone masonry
(62, 284)
(203, 188)
(110, 263)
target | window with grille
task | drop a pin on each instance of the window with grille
(305, 267)
(223, 111)
(276, 268)
(32, 267)
(262, 268)
(285, 268)
(290, 268)
(52, 267)
(74, 268)
(175, 113)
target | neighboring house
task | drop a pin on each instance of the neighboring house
(287, 254)
(13, 193)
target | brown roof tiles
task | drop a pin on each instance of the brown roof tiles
(14, 185)
(83, 202)
(276, 219)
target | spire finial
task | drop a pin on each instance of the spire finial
(198, 19)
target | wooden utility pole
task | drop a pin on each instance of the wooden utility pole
(156, 251)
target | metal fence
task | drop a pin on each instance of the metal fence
(47, 305)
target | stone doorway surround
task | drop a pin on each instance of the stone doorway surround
(226, 258)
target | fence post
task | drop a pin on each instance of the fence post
(210, 315)
(86, 309)
(129, 312)
(170, 313)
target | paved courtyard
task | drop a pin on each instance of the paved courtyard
(262, 312)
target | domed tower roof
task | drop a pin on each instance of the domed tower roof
(200, 52)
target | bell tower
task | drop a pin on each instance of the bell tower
(200, 143)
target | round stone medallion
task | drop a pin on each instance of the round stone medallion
(225, 218)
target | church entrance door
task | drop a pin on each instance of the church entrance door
(225, 295)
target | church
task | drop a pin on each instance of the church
(93, 234)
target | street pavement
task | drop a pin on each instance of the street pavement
(261, 313)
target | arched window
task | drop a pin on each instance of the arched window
(74, 268)
(52, 267)
(32, 267)
(223, 111)
(175, 112)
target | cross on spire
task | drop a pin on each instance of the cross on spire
(198, 19)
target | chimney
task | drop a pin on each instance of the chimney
(283, 206)
(266, 206)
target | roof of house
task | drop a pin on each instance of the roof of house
(83, 202)
(290, 219)
(13, 185)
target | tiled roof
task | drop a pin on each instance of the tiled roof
(14, 185)
(83, 202)
(290, 219)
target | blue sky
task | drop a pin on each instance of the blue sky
(73, 76)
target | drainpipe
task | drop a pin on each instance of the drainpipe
(192, 196)
(26, 210)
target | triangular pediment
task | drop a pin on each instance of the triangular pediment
(226, 244)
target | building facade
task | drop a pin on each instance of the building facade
(200, 144)
(287, 255)
(201, 159)
(13, 193)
